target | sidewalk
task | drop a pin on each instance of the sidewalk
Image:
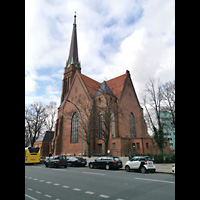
(164, 168)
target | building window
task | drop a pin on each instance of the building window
(114, 145)
(147, 145)
(138, 146)
(113, 124)
(132, 126)
(74, 128)
(100, 121)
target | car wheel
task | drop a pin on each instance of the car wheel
(46, 165)
(143, 170)
(107, 167)
(91, 166)
(127, 168)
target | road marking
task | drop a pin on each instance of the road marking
(59, 170)
(76, 189)
(88, 192)
(30, 189)
(29, 177)
(56, 184)
(37, 167)
(46, 195)
(38, 192)
(35, 179)
(41, 180)
(104, 196)
(154, 180)
(48, 182)
(93, 173)
(65, 186)
(119, 199)
(30, 197)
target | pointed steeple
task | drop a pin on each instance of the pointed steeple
(73, 52)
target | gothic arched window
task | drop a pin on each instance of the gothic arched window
(100, 121)
(132, 126)
(74, 128)
(113, 124)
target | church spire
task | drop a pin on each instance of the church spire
(73, 52)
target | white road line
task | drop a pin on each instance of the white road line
(119, 199)
(93, 173)
(30, 197)
(104, 196)
(35, 179)
(38, 192)
(65, 186)
(29, 177)
(56, 184)
(37, 167)
(59, 170)
(48, 182)
(41, 180)
(155, 180)
(76, 189)
(88, 192)
(30, 189)
(46, 195)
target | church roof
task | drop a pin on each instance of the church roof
(91, 84)
(104, 89)
(116, 84)
(112, 87)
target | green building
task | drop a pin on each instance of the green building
(168, 128)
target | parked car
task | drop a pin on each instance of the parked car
(76, 162)
(140, 163)
(107, 162)
(173, 168)
(56, 161)
(42, 159)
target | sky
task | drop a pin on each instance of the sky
(113, 36)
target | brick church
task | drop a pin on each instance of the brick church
(98, 118)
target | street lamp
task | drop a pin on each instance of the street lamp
(81, 125)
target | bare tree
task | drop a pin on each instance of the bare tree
(51, 111)
(153, 104)
(168, 96)
(35, 120)
(108, 110)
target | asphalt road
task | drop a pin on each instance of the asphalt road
(95, 184)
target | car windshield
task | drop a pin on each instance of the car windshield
(116, 159)
(62, 157)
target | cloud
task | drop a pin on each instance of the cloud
(112, 36)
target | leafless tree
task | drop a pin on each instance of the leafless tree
(168, 96)
(152, 102)
(35, 119)
(51, 111)
(108, 109)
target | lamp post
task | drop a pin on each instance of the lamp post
(81, 125)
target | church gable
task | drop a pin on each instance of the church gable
(78, 89)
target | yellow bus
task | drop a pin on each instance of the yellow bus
(32, 155)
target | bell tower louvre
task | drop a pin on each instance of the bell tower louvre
(72, 63)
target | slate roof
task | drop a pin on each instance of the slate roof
(73, 53)
(47, 137)
(104, 89)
